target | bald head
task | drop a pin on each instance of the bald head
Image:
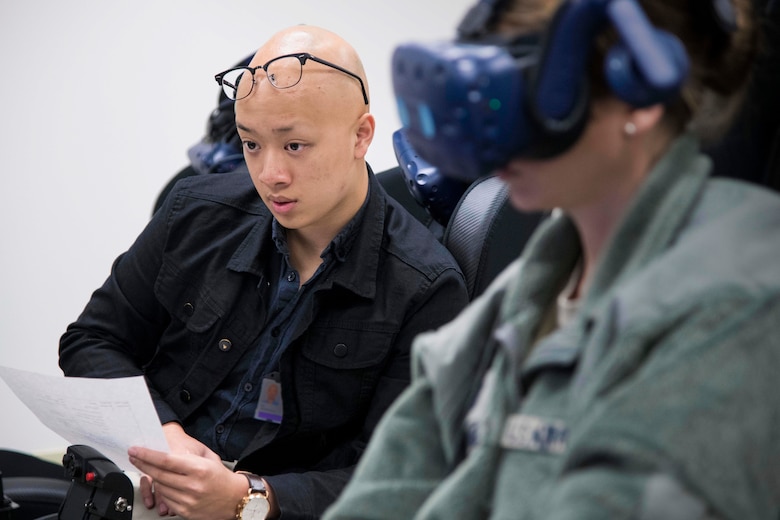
(306, 130)
(323, 44)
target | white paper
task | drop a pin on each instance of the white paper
(109, 415)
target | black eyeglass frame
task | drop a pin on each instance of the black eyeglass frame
(302, 57)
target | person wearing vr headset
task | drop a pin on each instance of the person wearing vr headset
(273, 330)
(626, 365)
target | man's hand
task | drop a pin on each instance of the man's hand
(192, 486)
(178, 442)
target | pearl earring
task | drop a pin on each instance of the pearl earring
(629, 129)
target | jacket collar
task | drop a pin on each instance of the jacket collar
(359, 251)
(360, 266)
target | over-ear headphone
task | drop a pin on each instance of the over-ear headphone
(470, 106)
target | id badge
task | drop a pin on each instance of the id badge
(269, 406)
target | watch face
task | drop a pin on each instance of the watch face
(256, 508)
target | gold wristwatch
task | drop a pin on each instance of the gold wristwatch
(254, 506)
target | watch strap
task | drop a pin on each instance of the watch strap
(257, 491)
(256, 483)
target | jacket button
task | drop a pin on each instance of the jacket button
(225, 345)
(185, 396)
(189, 309)
(340, 350)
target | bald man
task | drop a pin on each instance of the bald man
(272, 330)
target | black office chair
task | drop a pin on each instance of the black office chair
(484, 232)
(35, 497)
(35, 486)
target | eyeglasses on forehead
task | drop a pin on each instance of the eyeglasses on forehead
(282, 72)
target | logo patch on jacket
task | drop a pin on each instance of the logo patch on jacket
(531, 433)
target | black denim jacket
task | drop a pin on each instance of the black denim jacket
(189, 297)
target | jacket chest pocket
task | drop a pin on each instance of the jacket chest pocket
(338, 372)
(194, 318)
(186, 302)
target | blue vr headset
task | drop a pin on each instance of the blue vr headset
(470, 106)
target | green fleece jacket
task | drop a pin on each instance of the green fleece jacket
(660, 400)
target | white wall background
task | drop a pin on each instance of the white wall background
(100, 101)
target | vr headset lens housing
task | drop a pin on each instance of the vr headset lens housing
(461, 104)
